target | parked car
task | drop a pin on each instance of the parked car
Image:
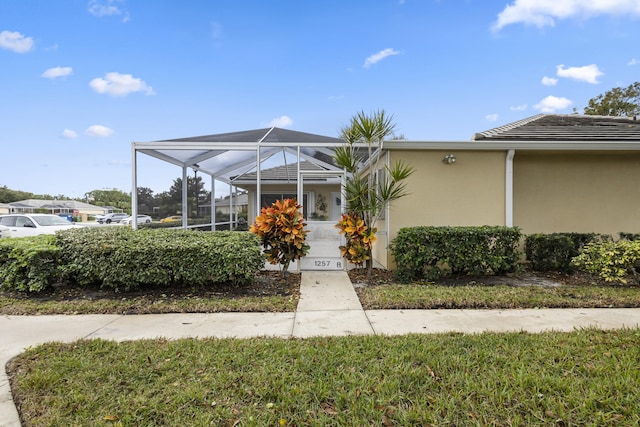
(22, 225)
(112, 217)
(142, 219)
(173, 218)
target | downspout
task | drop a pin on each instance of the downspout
(508, 197)
(134, 187)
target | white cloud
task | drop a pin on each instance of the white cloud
(587, 73)
(98, 130)
(549, 81)
(281, 122)
(551, 104)
(518, 107)
(69, 134)
(376, 57)
(541, 13)
(491, 117)
(102, 8)
(56, 72)
(13, 40)
(116, 84)
(633, 61)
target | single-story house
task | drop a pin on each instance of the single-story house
(57, 207)
(547, 173)
(4, 208)
(236, 203)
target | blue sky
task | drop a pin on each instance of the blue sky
(81, 79)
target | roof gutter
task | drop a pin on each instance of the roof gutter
(615, 145)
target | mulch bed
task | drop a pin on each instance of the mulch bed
(267, 283)
(272, 283)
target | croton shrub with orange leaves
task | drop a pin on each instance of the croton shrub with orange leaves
(281, 230)
(360, 238)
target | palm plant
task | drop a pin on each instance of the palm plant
(369, 189)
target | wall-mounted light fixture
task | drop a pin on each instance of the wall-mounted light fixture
(449, 159)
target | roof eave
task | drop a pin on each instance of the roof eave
(515, 145)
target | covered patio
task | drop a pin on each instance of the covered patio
(267, 163)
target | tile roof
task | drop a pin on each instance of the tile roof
(287, 172)
(53, 204)
(262, 135)
(569, 127)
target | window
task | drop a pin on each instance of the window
(8, 221)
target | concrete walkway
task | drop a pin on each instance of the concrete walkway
(328, 306)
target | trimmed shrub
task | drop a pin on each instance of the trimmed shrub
(430, 252)
(629, 236)
(125, 259)
(359, 237)
(553, 252)
(280, 228)
(612, 261)
(29, 264)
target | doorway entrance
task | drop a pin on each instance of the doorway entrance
(323, 238)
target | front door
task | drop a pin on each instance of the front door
(323, 238)
(324, 247)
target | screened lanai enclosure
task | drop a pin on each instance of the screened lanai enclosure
(268, 164)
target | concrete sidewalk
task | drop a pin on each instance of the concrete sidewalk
(328, 306)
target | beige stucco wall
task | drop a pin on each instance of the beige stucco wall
(580, 192)
(469, 192)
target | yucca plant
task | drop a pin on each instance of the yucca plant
(281, 230)
(371, 184)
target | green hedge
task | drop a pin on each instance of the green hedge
(429, 252)
(629, 236)
(553, 252)
(29, 264)
(125, 259)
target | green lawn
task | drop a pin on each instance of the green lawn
(146, 305)
(586, 377)
(431, 296)
(285, 298)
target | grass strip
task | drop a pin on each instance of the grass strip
(586, 377)
(147, 305)
(428, 296)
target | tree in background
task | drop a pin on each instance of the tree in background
(370, 186)
(173, 198)
(8, 195)
(146, 200)
(114, 197)
(623, 102)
